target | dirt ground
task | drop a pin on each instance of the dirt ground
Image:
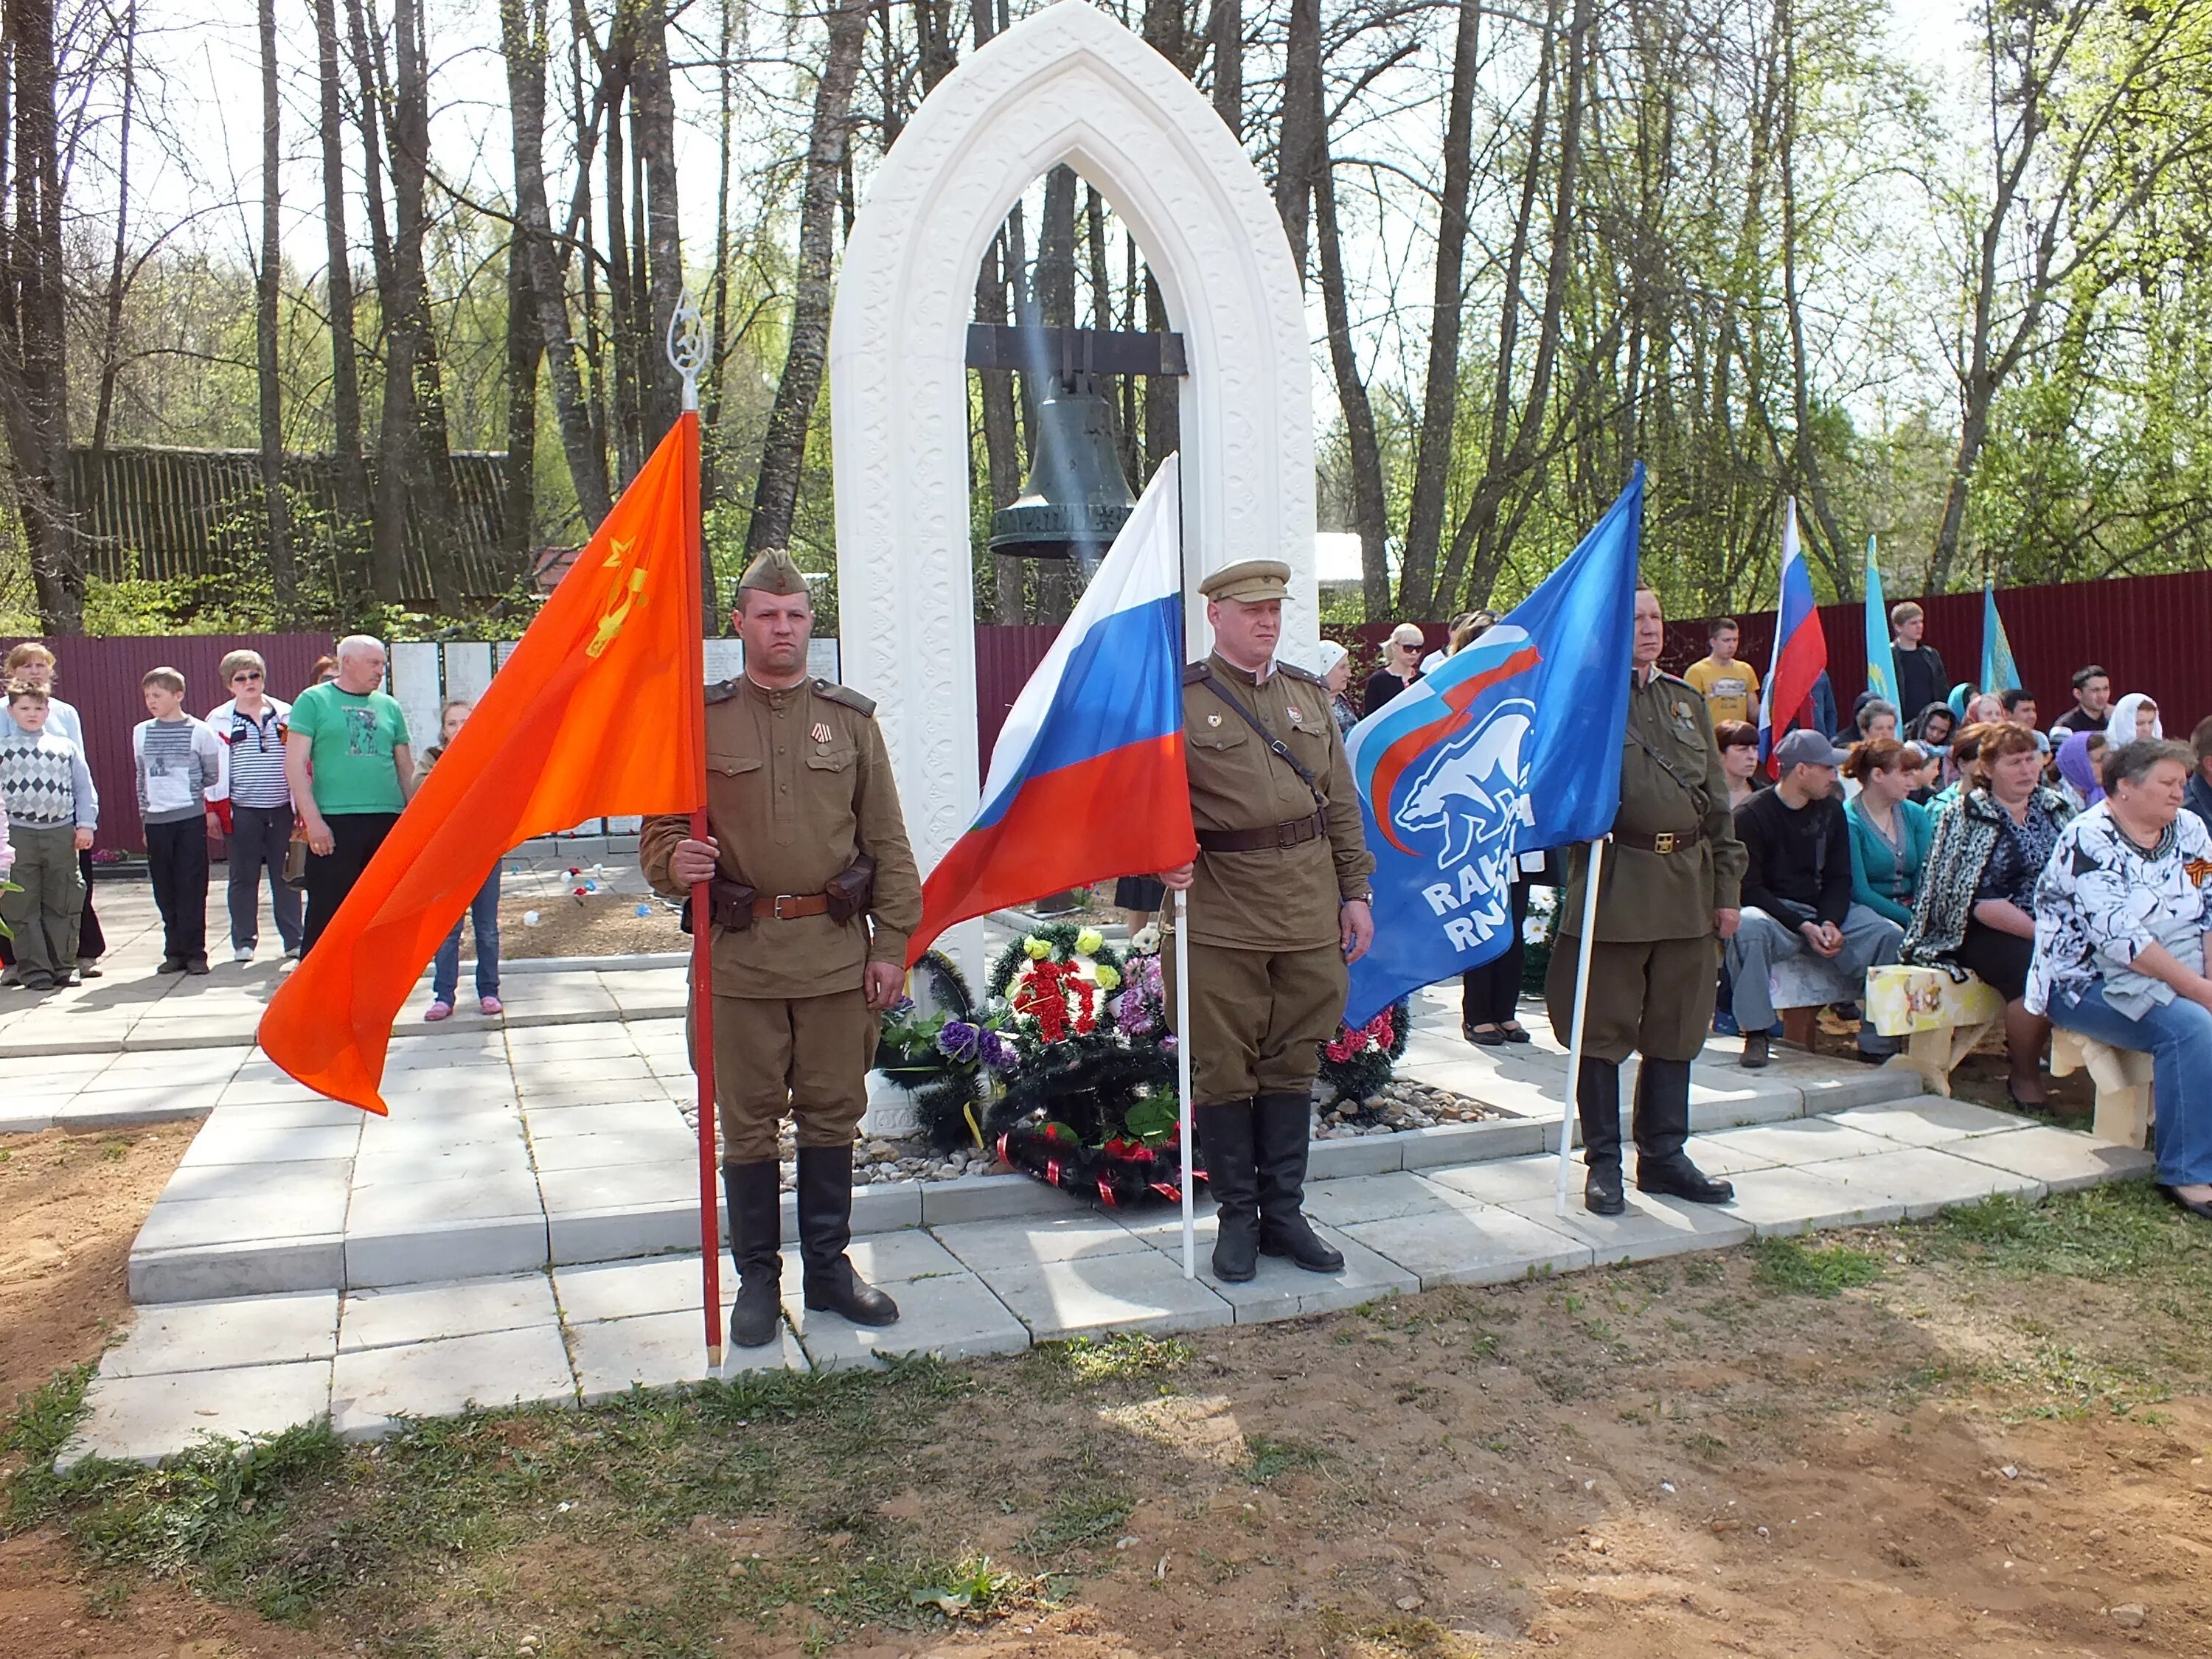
(596, 925)
(69, 1205)
(1912, 1440)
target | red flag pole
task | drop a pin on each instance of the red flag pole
(686, 348)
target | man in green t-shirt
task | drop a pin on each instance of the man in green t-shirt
(347, 761)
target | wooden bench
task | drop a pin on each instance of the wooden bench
(2122, 1078)
(1941, 1019)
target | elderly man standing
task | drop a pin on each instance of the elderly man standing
(1669, 895)
(1278, 910)
(349, 768)
(814, 892)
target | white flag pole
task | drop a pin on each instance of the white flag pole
(1570, 1115)
(1182, 1075)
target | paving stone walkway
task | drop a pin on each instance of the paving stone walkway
(572, 1333)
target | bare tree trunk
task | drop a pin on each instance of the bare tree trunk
(1225, 31)
(284, 576)
(34, 342)
(524, 348)
(345, 371)
(776, 491)
(110, 344)
(1805, 449)
(654, 127)
(523, 42)
(1512, 460)
(1299, 149)
(1367, 507)
(1433, 449)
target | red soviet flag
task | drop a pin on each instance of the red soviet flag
(599, 714)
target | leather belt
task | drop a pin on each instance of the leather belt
(786, 907)
(1312, 827)
(1667, 841)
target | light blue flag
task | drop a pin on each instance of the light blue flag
(1999, 672)
(1510, 745)
(1881, 661)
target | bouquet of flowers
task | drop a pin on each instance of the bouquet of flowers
(951, 1060)
(1057, 985)
(1358, 1062)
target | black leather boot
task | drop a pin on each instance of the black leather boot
(1282, 1131)
(1224, 1138)
(755, 1238)
(1662, 1125)
(1597, 1098)
(825, 1229)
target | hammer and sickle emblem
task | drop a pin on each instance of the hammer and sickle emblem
(622, 597)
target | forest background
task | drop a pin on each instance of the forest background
(1939, 272)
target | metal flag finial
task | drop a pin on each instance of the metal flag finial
(687, 348)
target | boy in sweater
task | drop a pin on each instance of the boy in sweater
(180, 798)
(52, 812)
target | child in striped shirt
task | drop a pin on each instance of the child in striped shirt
(180, 798)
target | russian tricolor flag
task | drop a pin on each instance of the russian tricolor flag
(1087, 780)
(1801, 649)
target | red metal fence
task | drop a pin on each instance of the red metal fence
(100, 679)
(2152, 633)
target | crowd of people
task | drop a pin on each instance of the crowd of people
(300, 794)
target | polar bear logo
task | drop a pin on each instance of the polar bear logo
(1474, 790)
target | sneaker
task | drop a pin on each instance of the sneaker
(196, 966)
(490, 1005)
(12, 974)
(292, 953)
(1724, 1024)
(438, 1011)
(171, 965)
(87, 967)
(242, 955)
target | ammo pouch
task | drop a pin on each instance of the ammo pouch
(731, 903)
(850, 890)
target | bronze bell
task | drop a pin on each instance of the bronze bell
(1076, 499)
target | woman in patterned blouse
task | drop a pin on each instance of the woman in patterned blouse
(2120, 922)
(1976, 908)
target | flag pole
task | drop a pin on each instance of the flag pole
(1182, 1076)
(1570, 1115)
(687, 352)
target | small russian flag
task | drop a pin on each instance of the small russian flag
(1801, 649)
(1087, 779)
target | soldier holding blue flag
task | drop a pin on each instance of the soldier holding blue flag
(1669, 895)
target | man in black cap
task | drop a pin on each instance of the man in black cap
(1798, 890)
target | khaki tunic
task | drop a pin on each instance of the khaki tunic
(1268, 972)
(1655, 967)
(798, 784)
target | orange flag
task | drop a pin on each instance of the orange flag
(599, 714)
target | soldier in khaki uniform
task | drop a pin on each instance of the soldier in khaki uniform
(800, 802)
(1279, 909)
(1669, 895)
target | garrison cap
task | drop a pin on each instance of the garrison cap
(1254, 581)
(774, 571)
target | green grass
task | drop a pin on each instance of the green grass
(1789, 1267)
(1117, 1357)
(1265, 1459)
(2120, 1231)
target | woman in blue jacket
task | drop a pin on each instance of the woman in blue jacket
(1890, 832)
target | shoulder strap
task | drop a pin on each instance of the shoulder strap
(845, 694)
(1666, 765)
(1276, 746)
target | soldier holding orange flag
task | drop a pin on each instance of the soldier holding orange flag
(814, 892)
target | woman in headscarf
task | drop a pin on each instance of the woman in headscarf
(2135, 717)
(2078, 760)
(1335, 670)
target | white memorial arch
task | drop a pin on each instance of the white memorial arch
(1068, 84)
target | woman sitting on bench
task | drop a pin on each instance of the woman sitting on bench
(2120, 923)
(1976, 905)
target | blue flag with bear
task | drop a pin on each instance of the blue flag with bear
(1511, 745)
